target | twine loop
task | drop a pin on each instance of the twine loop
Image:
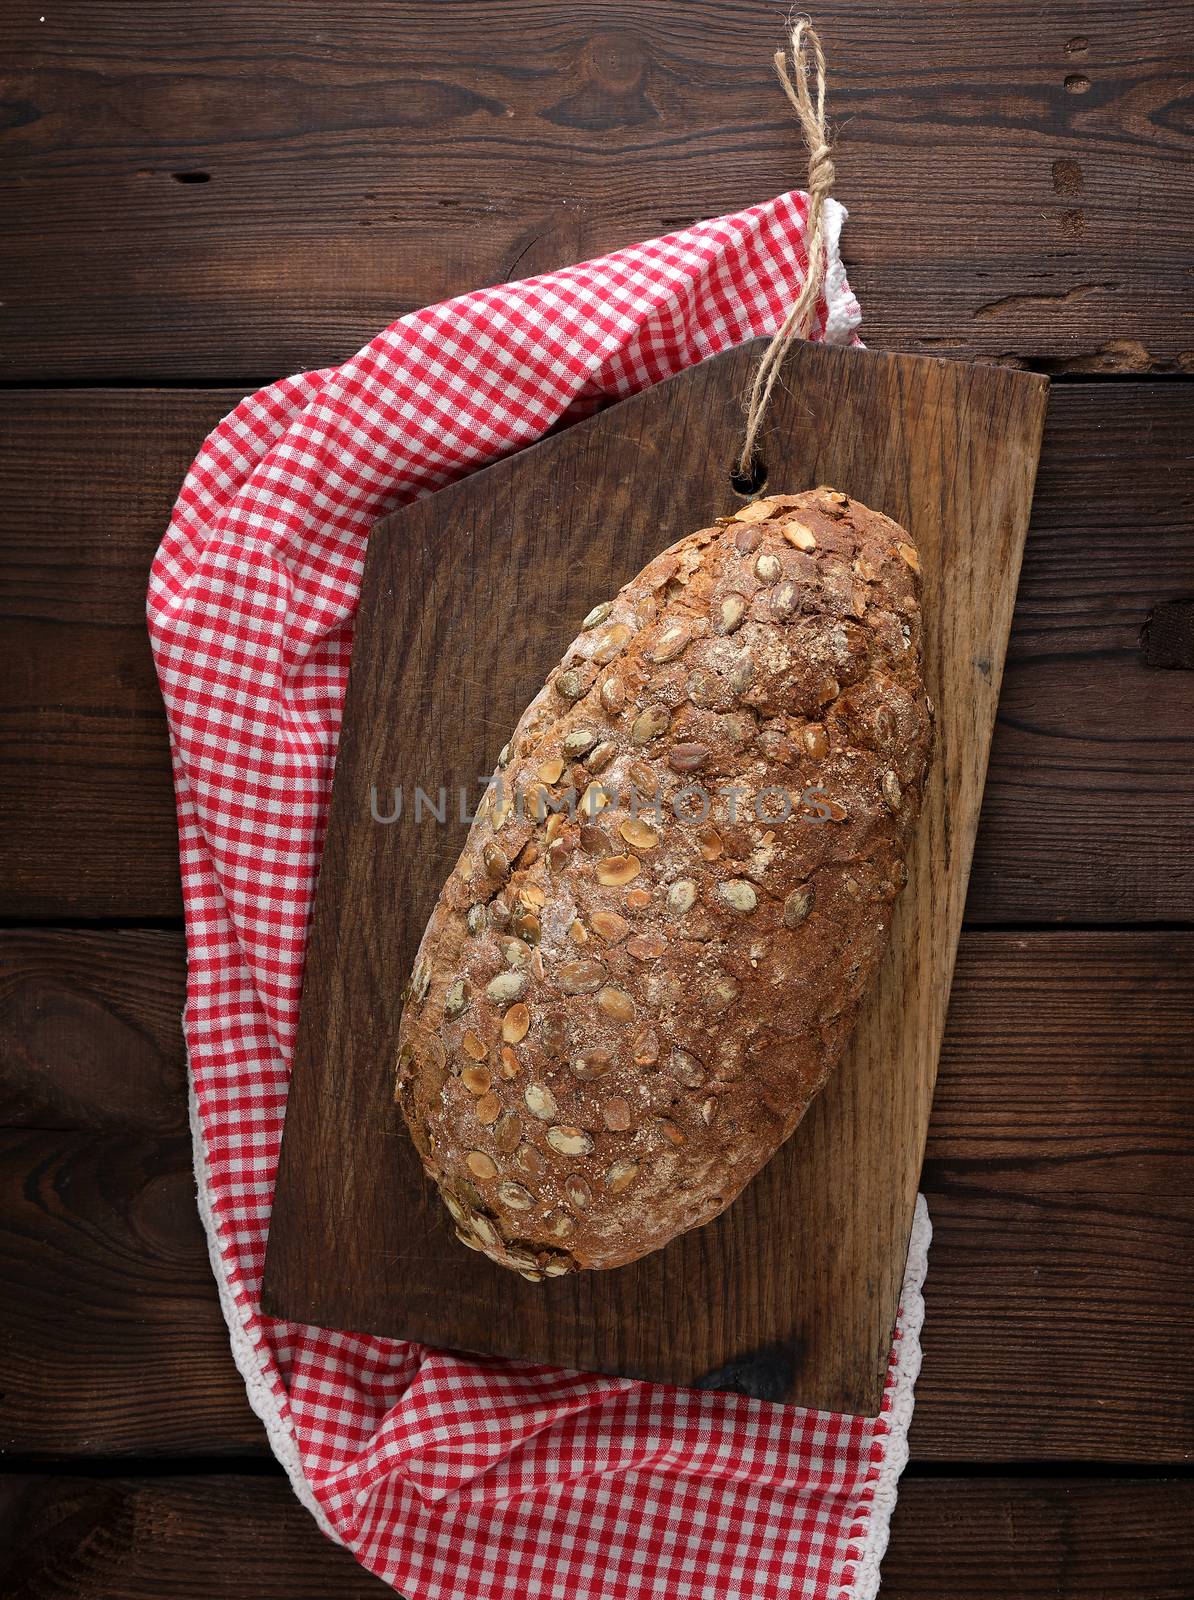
(808, 101)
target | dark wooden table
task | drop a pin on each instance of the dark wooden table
(200, 197)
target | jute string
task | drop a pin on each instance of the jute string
(808, 62)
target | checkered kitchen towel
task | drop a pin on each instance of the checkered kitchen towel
(449, 1477)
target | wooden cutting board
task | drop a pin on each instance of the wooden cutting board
(469, 597)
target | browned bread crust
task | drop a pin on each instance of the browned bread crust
(616, 1018)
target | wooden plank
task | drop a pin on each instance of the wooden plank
(112, 1334)
(1058, 1178)
(1039, 1539)
(89, 481)
(359, 1238)
(90, 1031)
(1066, 1068)
(190, 1538)
(344, 166)
(1057, 1325)
(1088, 809)
(1087, 814)
(185, 1538)
(1090, 798)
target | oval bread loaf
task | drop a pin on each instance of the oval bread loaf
(652, 949)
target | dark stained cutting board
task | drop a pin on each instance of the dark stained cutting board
(469, 597)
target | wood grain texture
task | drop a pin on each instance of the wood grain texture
(1065, 1067)
(358, 1236)
(1058, 1325)
(88, 485)
(193, 1538)
(90, 1031)
(1058, 1178)
(1030, 1298)
(1088, 812)
(1090, 792)
(112, 1334)
(1016, 178)
(1018, 185)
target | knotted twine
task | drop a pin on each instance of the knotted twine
(807, 58)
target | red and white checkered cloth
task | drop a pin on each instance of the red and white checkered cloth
(456, 1479)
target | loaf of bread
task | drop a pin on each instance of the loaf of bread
(652, 949)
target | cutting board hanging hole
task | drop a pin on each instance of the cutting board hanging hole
(749, 481)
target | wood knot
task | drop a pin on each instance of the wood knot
(1167, 638)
